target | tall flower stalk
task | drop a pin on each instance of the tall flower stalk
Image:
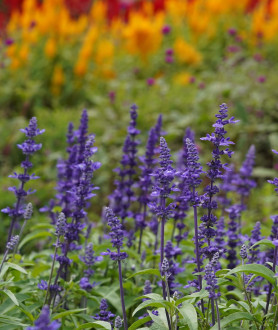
(28, 147)
(81, 193)
(212, 287)
(162, 189)
(192, 179)
(145, 180)
(218, 139)
(117, 237)
(123, 194)
(60, 231)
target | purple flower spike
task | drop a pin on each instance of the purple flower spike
(43, 322)
(215, 171)
(28, 147)
(123, 195)
(104, 314)
(117, 232)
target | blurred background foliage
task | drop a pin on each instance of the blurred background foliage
(175, 57)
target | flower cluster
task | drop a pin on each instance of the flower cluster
(218, 139)
(28, 147)
(210, 278)
(162, 185)
(104, 314)
(43, 322)
(116, 234)
(123, 195)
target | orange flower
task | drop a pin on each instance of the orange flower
(80, 68)
(58, 77)
(50, 48)
(23, 53)
(186, 53)
(105, 52)
(143, 35)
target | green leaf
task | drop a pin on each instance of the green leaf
(139, 322)
(11, 321)
(160, 320)
(16, 267)
(266, 242)
(153, 296)
(150, 303)
(232, 318)
(109, 293)
(259, 270)
(11, 296)
(26, 311)
(196, 295)
(189, 315)
(95, 325)
(146, 271)
(243, 304)
(66, 313)
(33, 236)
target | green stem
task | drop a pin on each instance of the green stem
(51, 271)
(4, 259)
(19, 236)
(169, 299)
(218, 315)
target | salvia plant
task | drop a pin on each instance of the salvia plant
(173, 249)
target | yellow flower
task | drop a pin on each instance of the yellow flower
(50, 48)
(182, 78)
(15, 64)
(105, 52)
(11, 50)
(186, 53)
(98, 12)
(58, 77)
(23, 53)
(143, 35)
(80, 68)
(176, 9)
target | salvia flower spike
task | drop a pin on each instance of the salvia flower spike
(44, 322)
(215, 171)
(118, 322)
(26, 216)
(117, 236)
(104, 313)
(28, 148)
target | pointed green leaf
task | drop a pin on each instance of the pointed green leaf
(66, 313)
(139, 322)
(266, 242)
(259, 270)
(153, 296)
(189, 315)
(11, 296)
(26, 311)
(95, 325)
(160, 320)
(196, 295)
(33, 236)
(232, 318)
(16, 267)
(150, 303)
(11, 321)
